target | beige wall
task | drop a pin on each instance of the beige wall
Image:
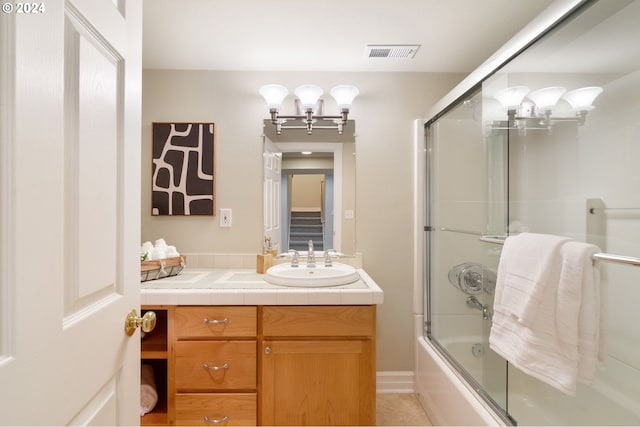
(384, 111)
(306, 193)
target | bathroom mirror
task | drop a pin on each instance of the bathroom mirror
(309, 196)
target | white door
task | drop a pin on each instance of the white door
(70, 75)
(271, 193)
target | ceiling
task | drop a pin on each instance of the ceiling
(328, 35)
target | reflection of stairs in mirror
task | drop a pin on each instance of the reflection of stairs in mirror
(305, 226)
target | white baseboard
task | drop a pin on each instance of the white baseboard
(395, 382)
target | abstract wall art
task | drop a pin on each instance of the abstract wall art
(183, 176)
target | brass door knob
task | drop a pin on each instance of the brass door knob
(147, 322)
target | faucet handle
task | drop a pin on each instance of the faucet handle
(294, 258)
(327, 257)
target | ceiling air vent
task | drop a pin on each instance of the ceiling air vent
(398, 51)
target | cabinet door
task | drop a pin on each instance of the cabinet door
(317, 383)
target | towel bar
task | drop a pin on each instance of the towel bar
(600, 256)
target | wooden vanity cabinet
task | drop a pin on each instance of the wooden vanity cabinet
(215, 365)
(263, 365)
(317, 365)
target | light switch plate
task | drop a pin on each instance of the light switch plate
(225, 218)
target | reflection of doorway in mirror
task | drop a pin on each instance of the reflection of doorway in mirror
(310, 211)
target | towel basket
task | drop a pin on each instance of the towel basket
(160, 268)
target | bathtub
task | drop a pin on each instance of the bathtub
(449, 400)
(446, 397)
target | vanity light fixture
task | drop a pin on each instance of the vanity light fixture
(308, 106)
(532, 110)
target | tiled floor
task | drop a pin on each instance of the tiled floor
(400, 410)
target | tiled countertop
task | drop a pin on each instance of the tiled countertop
(196, 286)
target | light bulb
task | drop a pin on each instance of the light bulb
(308, 95)
(511, 97)
(344, 95)
(273, 94)
(547, 98)
(582, 99)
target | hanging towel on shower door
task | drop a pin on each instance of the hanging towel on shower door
(582, 297)
(547, 309)
(528, 263)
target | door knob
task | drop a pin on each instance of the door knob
(147, 322)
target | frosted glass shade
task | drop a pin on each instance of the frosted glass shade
(344, 95)
(273, 94)
(511, 97)
(308, 95)
(547, 98)
(582, 99)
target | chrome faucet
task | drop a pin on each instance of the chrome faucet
(311, 256)
(472, 302)
(294, 258)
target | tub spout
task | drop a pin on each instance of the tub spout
(472, 302)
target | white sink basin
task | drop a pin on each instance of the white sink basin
(316, 277)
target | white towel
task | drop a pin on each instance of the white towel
(528, 263)
(582, 297)
(548, 309)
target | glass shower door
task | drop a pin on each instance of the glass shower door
(467, 186)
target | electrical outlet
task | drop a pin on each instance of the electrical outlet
(225, 218)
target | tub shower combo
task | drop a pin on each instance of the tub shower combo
(544, 138)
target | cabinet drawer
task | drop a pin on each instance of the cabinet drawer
(317, 321)
(215, 365)
(228, 409)
(211, 321)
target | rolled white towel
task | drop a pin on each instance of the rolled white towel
(148, 392)
(172, 252)
(157, 253)
(146, 246)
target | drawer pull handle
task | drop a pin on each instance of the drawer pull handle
(216, 421)
(216, 368)
(216, 321)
